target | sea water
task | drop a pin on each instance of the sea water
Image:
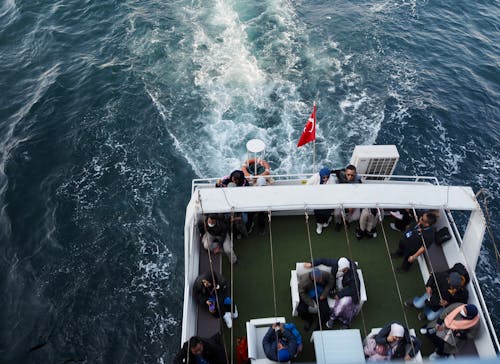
(108, 109)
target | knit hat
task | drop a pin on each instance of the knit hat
(283, 355)
(471, 311)
(343, 263)
(316, 275)
(324, 172)
(455, 279)
(397, 330)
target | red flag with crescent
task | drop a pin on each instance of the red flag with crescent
(309, 133)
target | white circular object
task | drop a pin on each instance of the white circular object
(255, 145)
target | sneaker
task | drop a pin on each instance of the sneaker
(409, 303)
(329, 324)
(325, 224)
(235, 313)
(423, 330)
(374, 235)
(359, 234)
(436, 356)
(319, 228)
(228, 320)
(396, 214)
(422, 316)
(393, 226)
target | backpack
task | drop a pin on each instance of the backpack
(442, 236)
(242, 350)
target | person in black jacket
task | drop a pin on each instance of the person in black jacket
(211, 292)
(446, 288)
(198, 349)
(411, 244)
(392, 342)
(279, 343)
(347, 175)
(215, 235)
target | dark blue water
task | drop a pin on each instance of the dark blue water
(108, 109)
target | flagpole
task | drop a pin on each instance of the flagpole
(314, 156)
(314, 142)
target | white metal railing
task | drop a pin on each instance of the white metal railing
(301, 178)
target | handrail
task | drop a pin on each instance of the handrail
(210, 182)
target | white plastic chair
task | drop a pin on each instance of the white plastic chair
(256, 330)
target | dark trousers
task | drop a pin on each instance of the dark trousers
(324, 312)
(438, 343)
(322, 216)
(405, 252)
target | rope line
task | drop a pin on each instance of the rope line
(314, 281)
(351, 256)
(398, 289)
(214, 285)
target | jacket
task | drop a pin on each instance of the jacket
(213, 352)
(270, 343)
(350, 280)
(442, 285)
(306, 285)
(405, 342)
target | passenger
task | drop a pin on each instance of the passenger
(446, 288)
(200, 350)
(449, 333)
(346, 291)
(346, 294)
(237, 177)
(241, 221)
(411, 245)
(368, 224)
(282, 342)
(393, 342)
(323, 217)
(212, 293)
(402, 219)
(214, 234)
(313, 292)
(347, 175)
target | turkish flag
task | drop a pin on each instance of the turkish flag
(309, 133)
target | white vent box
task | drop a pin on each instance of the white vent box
(376, 160)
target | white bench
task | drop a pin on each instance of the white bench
(416, 359)
(256, 330)
(294, 285)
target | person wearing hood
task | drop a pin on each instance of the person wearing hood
(210, 290)
(280, 343)
(323, 217)
(449, 333)
(347, 293)
(392, 342)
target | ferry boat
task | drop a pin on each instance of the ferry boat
(263, 281)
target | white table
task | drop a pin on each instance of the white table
(338, 346)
